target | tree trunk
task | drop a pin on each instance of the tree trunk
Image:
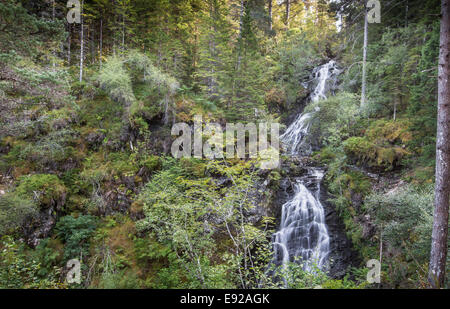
(366, 30)
(123, 32)
(91, 40)
(81, 43)
(288, 11)
(270, 15)
(53, 19)
(212, 49)
(101, 41)
(241, 18)
(438, 257)
(68, 44)
(241, 26)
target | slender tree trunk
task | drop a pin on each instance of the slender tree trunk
(68, 44)
(406, 13)
(212, 49)
(53, 19)
(395, 110)
(123, 32)
(270, 15)
(241, 18)
(438, 257)
(364, 67)
(81, 43)
(241, 26)
(91, 40)
(101, 41)
(288, 11)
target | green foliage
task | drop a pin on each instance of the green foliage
(75, 232)
(180, 210)
(174, 216)
(422, 109)
(26, 33)
(54, 147)
(49, 253)
(116, 81)
(361, 148)
(382, 146)
(17, 270)
(292, 60)
(404, 217)
(120, 280)
(335, 120)
(44, 188)
(14, 210)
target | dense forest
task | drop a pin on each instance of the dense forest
(90, 93)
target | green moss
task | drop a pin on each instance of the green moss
(388, 132)
(367, 152)
(195, 167)
(151, 162)
(360, 148)
(325, 155)
(45, 187)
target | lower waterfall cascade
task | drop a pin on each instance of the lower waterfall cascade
(303, 235)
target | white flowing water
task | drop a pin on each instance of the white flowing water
(293, 138)
(303, 235)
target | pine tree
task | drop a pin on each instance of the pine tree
(438, 257)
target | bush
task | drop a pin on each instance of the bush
(405, 219)
(54, 147)
(75, 232)
(14, 210)
(18, 270)
(335, 120)
(45, 188)
(115, 80)
(368, 153)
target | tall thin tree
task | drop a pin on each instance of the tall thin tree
(438, 257)
(54, 50)
(364, 64)
(270, 15)
(81, 42)
(288, 11)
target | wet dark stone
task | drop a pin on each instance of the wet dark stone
(342, 254)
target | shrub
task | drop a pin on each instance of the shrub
(14, 210)
(115, 80)
(404, 217)
(54, 147)
(368, 153)
(45, 188)
(335, 119)
(18, 270)
(75, 232)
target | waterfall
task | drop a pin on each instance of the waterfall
(325, 77)
(303, 235)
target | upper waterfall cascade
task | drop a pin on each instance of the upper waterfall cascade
(303, 235)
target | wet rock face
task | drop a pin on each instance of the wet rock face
(40, 226)
(95, 139)
(342, 255)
